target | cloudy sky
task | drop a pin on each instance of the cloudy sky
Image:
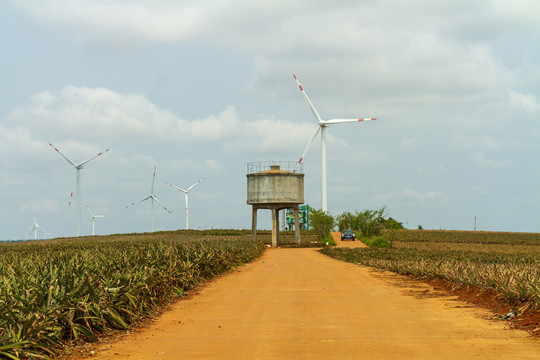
(201, 88)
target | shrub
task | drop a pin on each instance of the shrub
(322, 222)
(378, 242)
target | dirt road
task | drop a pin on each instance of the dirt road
(300, 304)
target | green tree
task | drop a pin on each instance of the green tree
(392, 224)
(369, 222)
(346, 221)
(322, 222)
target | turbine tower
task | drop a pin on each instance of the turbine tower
(153, 198)
(321, 128)
(92, 220)
(186, 192)
(78, 168)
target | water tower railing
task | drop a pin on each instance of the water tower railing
(260, 166)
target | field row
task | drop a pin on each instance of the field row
(516, 276)
(451, 236)
(59, 293)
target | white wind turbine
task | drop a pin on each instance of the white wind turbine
(92, 220)
(186, 192)
(321, 128)
(153, 198)
(78, 167)
(35, 227)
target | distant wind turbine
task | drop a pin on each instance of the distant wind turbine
(78, 167)
(35, 227)
(186, 192)
(321, 128)
(93, 217)
(153, 198)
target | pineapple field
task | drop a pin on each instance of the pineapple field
(65, 291)
(61, 292)
(505, 265)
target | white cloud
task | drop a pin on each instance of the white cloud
(428, 195)
(407, 195)
(484, 142)
(526, 102)
(90, 115)
(481, 159)
(212, 128)
(272, 135)
(39, 205)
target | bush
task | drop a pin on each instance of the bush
(322, 222)
(368, 222)
(378, 242)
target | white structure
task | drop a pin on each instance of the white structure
(186, 193)
(321, 128)
(153, 198)
(78, 167)
(92, 220)
(35, 227)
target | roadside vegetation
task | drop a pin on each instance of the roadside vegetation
(506, 263)
(59, 292)
(368, 226)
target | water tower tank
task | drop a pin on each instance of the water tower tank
(275, 186)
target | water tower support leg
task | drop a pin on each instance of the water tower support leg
(274, 228)
(254, 224)
(296, 226)
(277, 226)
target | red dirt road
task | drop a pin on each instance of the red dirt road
(300, 304)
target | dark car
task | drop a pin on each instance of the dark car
(347, 234)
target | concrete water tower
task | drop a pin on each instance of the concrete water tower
(275, 185)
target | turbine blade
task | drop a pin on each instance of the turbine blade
(153, 179)
(93, 157)
(310, 143)
(90, 211)
(87, 226)
(313, 110)
(138, 201)
(176, 187)
(159, 202)
(341, 121)
(192, 186)
(64, 156)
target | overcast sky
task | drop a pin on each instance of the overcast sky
(201, 88)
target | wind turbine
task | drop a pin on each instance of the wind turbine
(153, 198)
(35, 227)
(186, 192)
(323, 124)
(78, 167)
(92, 220)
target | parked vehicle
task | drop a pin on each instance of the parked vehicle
(347, 234)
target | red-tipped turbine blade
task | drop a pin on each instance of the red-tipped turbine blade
(93, 157)
(313, 110)
(64, 156)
